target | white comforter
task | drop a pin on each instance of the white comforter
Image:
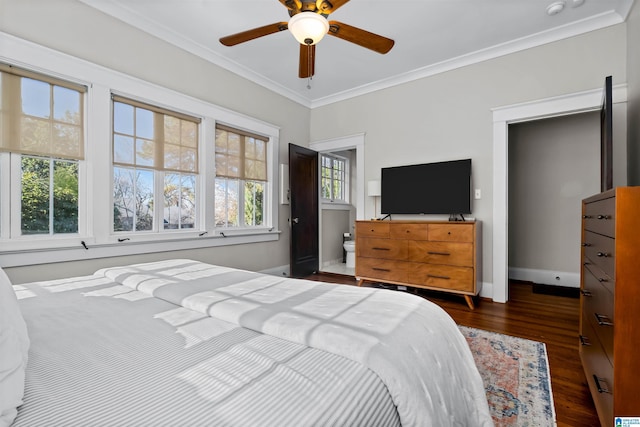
(412, 344)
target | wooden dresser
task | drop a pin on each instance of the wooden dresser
(610, 301)
(438, 255)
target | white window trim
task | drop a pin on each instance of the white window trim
(97, 232)
(347, 183)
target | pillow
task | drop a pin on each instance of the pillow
(14, 349)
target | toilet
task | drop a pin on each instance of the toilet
(350, 248)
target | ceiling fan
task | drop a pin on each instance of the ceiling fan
(309, 24)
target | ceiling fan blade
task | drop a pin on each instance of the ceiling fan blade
(245, 36)
(307, 61)
(360, 37)
(329, 6)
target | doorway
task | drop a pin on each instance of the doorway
(331, 224)
(498, 288)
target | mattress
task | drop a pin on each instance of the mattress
(183, 343)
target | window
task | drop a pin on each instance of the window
(334, 174)
(241, 178)
(42, 140)
(155, 168)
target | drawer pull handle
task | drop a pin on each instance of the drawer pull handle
(604, 216)
(603, 254)
(584, 340)
(603, 320)
(439, 253)
(380, 249)
(438, 277)
(586, 216)
(586, 293)
(602, 279)
(599, 382)
(382, 269)
(585, 263)
(586, 244)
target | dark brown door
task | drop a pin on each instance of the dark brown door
(303, 220)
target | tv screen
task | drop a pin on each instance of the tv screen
(606, 136)
(429, 188)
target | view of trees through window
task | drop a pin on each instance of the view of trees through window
(45, 138)
(241, 175)
(49, 196)
(149, 146)
(333, 171)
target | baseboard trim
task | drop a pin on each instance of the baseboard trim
(545, 277)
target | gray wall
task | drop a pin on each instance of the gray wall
(553, 165)
(71, 27)
(440, 117)
(448, 115)
(334, 224)
(633, 93)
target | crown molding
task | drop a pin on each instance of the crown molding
(136, 20)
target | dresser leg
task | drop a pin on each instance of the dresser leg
(469, 301)
(360, 282)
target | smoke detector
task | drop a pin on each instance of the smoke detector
(555, 8)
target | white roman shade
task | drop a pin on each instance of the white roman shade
(40, 115)
(240, 154)
(149, 136)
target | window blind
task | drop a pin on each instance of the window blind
(150, 136)
(40, 115)
(240, 154)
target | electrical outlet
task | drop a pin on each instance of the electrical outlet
(478, 194)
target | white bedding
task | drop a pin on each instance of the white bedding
(256, 349)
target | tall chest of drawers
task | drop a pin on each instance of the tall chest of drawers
(610, 301)
(438, 255)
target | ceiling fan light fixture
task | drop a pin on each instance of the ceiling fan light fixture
(308, 27)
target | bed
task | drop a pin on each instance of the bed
(184, 343)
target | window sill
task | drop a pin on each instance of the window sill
(73, 250)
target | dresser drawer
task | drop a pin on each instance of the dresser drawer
(381, 269)
(448, 253)
(442, 276)
(600, 250)
(372, 229)
(382, 248)
(600, 276)
(597, 365)
(409, 231)
(451, 232)
(597, 308)
(599, 216)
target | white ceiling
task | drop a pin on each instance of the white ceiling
(430, 36)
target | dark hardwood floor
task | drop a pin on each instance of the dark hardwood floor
(551, 319)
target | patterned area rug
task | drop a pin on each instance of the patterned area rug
(515, 372)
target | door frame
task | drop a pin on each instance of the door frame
(502, 118)
(349, 142)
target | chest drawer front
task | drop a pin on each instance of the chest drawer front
(599, 216)
(597, 307)
(448, 253)
(372, 229)
(451, 232)
(382, 248)
(381, 269)
(595, 362)
(443, 277)
(600, 276)
(409, 231)
(600, 250)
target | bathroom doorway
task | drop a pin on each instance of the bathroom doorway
(338, 218)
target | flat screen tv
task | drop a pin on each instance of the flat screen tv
(606, 136)
(429, 188)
